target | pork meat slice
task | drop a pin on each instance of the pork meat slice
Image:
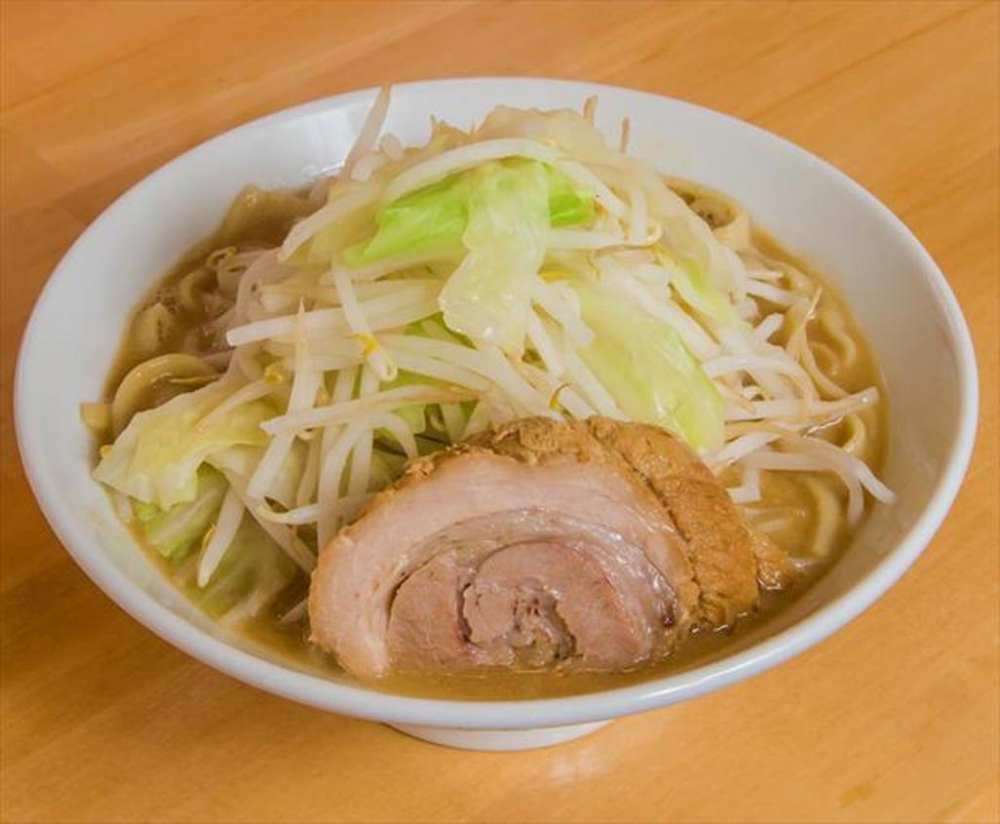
(588, 544)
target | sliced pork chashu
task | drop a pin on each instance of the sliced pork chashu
(588, 544)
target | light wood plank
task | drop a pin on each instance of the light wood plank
(893, 719)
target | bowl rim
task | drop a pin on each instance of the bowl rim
(372, 704)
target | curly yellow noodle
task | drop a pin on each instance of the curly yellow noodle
(192, 287)
(857, 439)
(828, 515)
(151, 328)
(141, 379)
(833, 321)
(827, 358)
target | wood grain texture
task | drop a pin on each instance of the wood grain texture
(893, 719)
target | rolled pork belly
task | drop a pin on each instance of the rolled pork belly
(581, 545)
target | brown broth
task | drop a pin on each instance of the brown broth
(290, 645)
(256, 219)
(785, 490)
(262, 218)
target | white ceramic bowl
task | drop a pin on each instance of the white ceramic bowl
(899, 295)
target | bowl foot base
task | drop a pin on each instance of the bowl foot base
(498, 740)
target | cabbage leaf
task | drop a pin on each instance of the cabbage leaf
(487, 297)
(645, 366)
(173, 532)
(252, 572)
(697, 291)
(435, 218)
(243, 460)
(156, 458)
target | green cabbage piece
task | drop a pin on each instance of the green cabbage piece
(173, 532)
(436, 217)
(487, 297)
(156, 459)
(568, 206)
(646, 368)
(254, 567)
(697, 290)
(431, 219)
(243, 460)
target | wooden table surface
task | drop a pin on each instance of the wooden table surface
(893, 719)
